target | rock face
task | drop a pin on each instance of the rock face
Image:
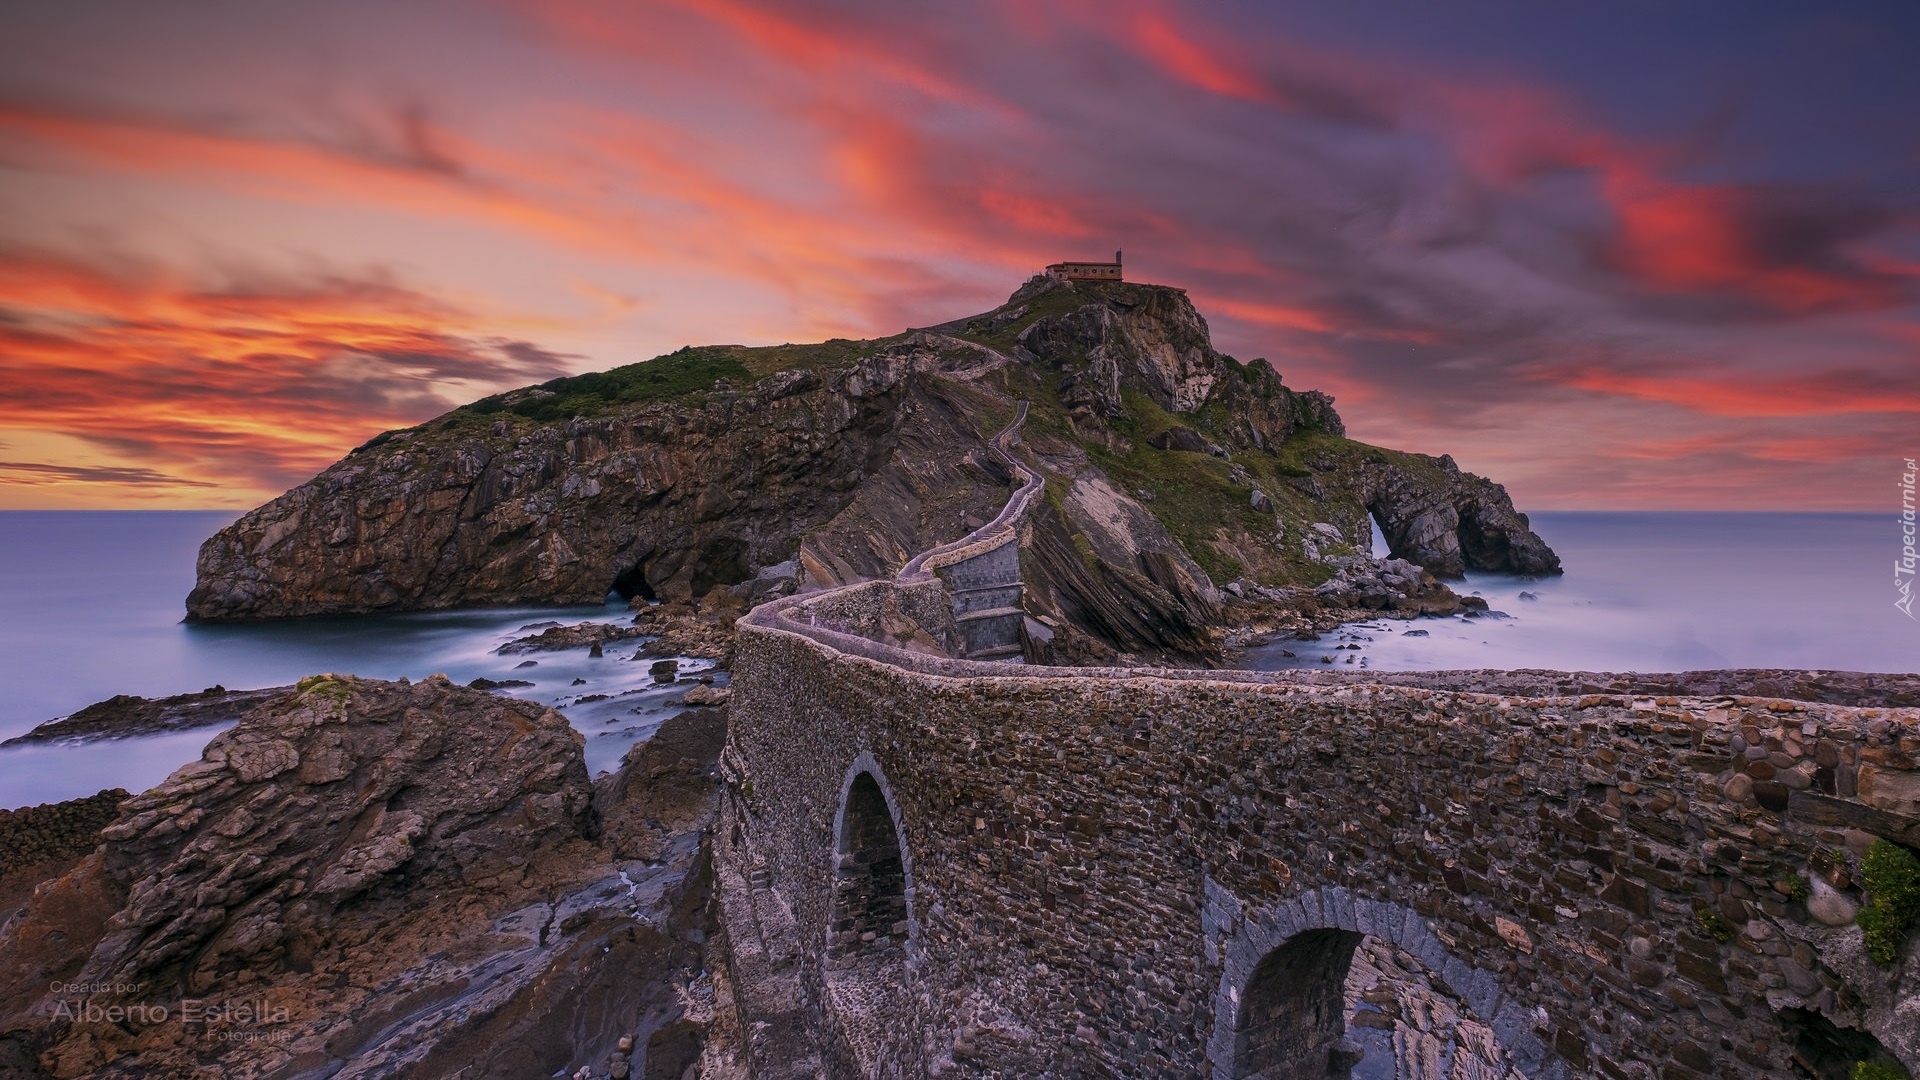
(387, 879)
(1096, 562)
(764, 471)
(662, 499)
(124, 715)
(1454, 522)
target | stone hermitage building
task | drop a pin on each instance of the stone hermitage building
(936, 866)
(1087, 271)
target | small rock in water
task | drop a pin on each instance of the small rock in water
(596, 652)
(527, 663)
(664, 671)
(1529, 596)
(579, 682)
(704, 695)
(1414, 633)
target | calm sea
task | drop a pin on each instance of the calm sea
(90, 606)
(1664, 592)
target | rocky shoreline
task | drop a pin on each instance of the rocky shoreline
(125, 716)
(379, 879)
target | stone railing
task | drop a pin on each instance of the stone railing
(1110, 871)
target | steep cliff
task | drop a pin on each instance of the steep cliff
(724, 474)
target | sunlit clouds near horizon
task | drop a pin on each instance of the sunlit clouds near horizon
(1631, 256)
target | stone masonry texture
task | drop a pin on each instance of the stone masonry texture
(1617, 885)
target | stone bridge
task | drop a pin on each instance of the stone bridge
(936, 866)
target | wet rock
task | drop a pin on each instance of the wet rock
(125, 716)
(664, 671)
(53, 832)
(484, 683)
(429, 862)
(705, 696)
(557, 638)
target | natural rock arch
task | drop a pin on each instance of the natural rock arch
(1278, 1010)
(871, 930)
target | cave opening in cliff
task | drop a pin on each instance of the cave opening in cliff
(722, 561)
(1292, 1016)
(633, 583)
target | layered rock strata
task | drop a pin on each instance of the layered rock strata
(368, 879)
(1171, 468)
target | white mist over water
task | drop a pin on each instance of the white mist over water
(91, 605)
(1662, 592)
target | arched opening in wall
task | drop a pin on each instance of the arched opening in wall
(869, 924)
(1823, 1050)
(1336, 1003)
(1292, 1022)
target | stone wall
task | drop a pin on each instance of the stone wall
(1097, 863)
(986, 592)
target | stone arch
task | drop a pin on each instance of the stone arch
(1278, 1009)
(1290, 1023)
(871, 929)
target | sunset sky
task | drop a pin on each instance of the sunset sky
(1619, 255)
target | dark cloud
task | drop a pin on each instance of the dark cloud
(32, 473)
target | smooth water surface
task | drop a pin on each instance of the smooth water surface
(91, 605)
(1663, 592)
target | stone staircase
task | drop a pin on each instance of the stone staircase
(986, 591)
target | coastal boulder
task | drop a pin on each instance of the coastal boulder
(344, 792)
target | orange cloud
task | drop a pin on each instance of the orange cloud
(1724, 238)
(251, 388)
(1829, 392)
(1181, 57)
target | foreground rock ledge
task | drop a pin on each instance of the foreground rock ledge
(368, 878)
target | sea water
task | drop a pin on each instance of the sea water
(1654, 592)
(92, 604)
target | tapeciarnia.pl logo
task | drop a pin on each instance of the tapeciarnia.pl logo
(1903, 567)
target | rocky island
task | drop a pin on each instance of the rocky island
(977, 799)
(722, 475)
